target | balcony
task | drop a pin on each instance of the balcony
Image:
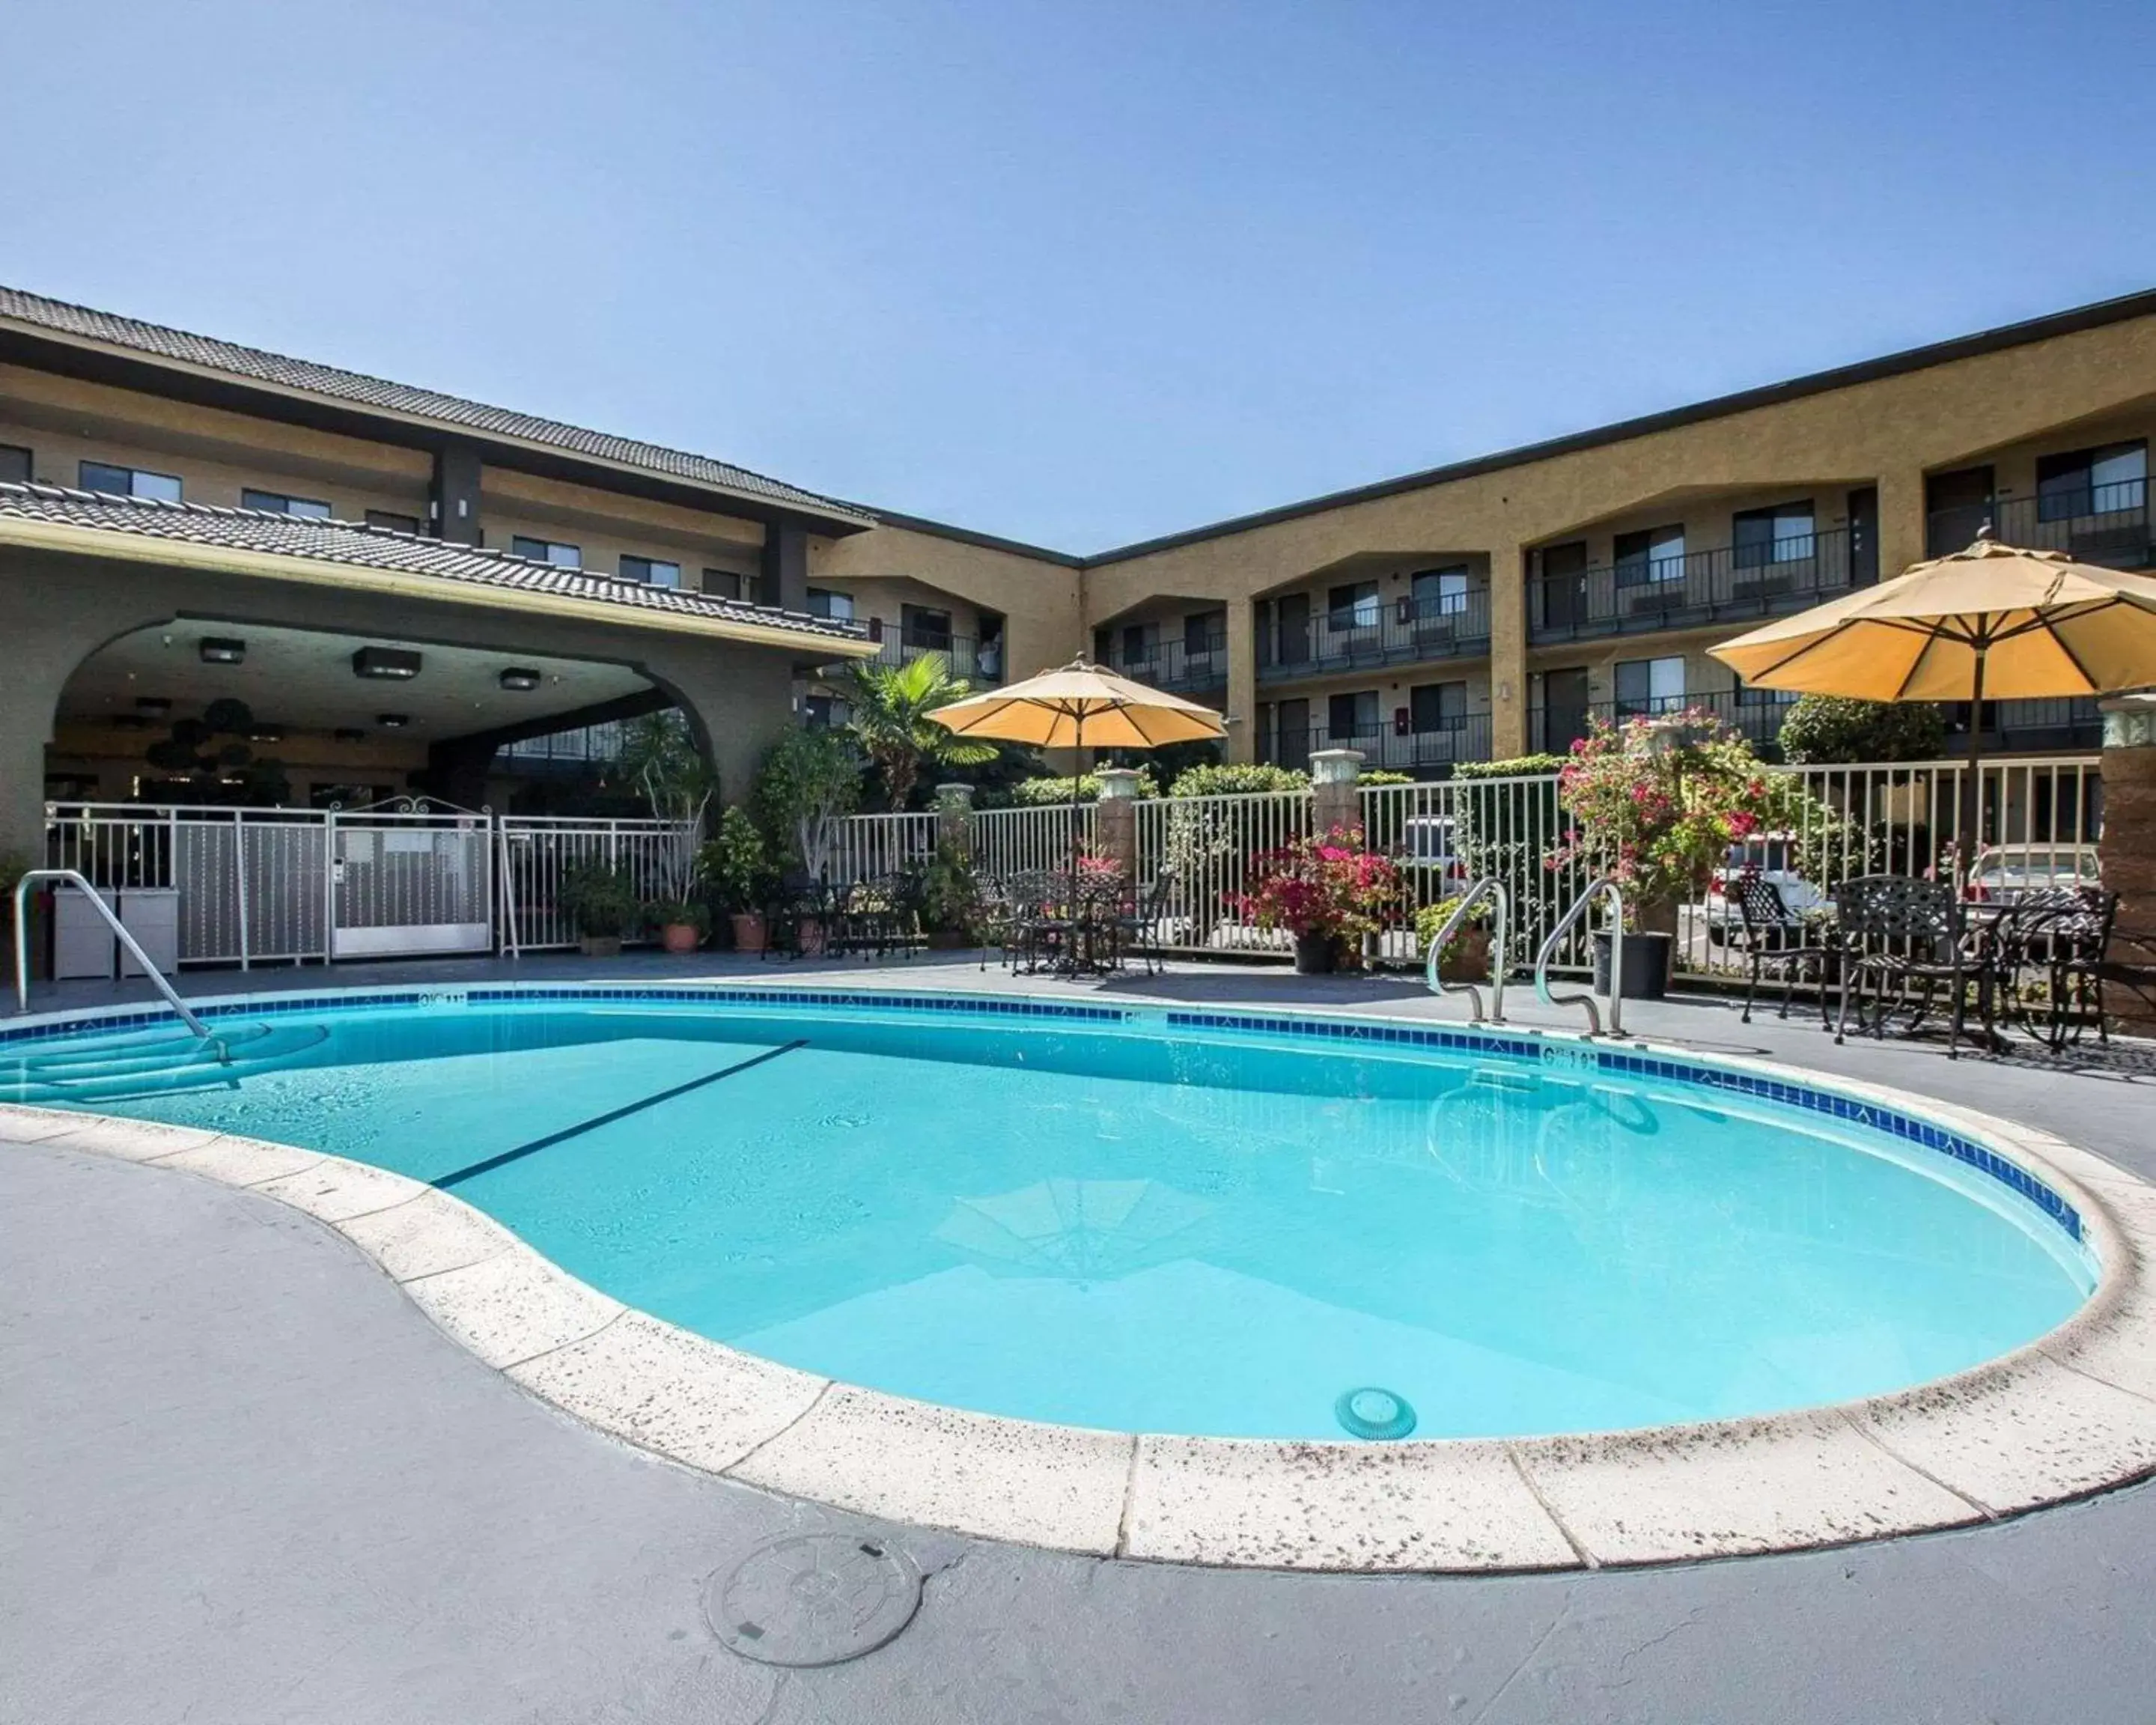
(1403, 632)
(1176, 665)
(1726, 584)
(1755, 714)
(2100, 524)
(975, 661)
(1427, 754)
(2064, 726)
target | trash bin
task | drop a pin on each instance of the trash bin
(83, 945)
(151, 914)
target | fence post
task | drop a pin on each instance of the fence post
(1116, 819)
(954, 818)
(1335, 800)
(2126, 853)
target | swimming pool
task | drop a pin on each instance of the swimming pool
(1144, 1219)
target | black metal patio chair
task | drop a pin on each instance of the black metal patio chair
(2060, 936)
(1906, 937)
(1767, 933)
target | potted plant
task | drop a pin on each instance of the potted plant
(1325, 892)
(737, 869)
(1466, 957)
(947, 897)
(682, 923)
(1657, 803)
(602, 902)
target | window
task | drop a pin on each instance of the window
(2092, 482)
(14, 466)
(1354, 607)
(824, 712)
(547, 551)
(129, 482)
(277, 503)
(394, 522)
(1348, 716)
(924, 628)
(1779, 535)
(1651, 685)
(1438, 593)
(1438, 706)
(1137, 646)
(652, 572)
(1204, 632)
(726, 583)
(838, 606)
(1656, 555)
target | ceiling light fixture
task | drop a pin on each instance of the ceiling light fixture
(152, 707)
(519, 681)
(393, 721)
(222, 649)
(391, 665)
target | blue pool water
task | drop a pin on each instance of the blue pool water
(1149, 1227)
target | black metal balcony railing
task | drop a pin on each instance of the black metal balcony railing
(1417, 751)
(1403, 632)
(1177, 663)
(975, 661)
(2099, 524)
(2011, 726)
(1702, 586)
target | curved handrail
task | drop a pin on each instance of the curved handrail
(74, 879)
(1607, 885)
(1489, 887)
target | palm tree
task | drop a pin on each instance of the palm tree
(891, 704)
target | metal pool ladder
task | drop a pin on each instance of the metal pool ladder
(1607, 888)
(74, 878)
(1491, 888)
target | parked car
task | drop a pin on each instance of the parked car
(1773, 857)
(2002, 873)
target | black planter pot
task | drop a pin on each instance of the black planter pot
(1646, 965)
(1316, 955)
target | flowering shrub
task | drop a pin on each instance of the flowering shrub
(1321, 886)
(1659, 801)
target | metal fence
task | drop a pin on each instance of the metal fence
(867, 846)
(1206, 845)
(533, 852)
(1017, 841)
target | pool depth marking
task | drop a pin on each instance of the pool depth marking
(608, 1118)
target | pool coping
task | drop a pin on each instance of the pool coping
(2070, 1414)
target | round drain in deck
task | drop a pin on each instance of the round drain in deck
(816, 1599)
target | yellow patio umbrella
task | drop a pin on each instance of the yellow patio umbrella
(1080, 707)
(1991, 623)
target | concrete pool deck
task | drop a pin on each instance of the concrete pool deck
(246, 1460)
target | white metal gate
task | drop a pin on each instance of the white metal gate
(405, 878)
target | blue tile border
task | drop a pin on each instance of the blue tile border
(1618, 1062)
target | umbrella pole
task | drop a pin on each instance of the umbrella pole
(1965, 822)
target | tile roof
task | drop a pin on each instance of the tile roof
(361, 547)
(357, 388)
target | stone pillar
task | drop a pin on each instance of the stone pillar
(1335, 799)
(2126, 855)
(1116, 819)
(1242, 681)
(1508, 652)
(954, 818)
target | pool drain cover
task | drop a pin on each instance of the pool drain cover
(818, 1599)
(1373, 1413)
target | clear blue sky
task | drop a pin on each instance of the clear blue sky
(1081, 273)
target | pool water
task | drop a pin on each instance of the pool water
(1123, 1226)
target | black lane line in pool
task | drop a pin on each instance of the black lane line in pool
(621, 1113)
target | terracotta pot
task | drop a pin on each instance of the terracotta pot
(599, 946)
(814, 940)
(748, 932)
(679, 936)
(1467, 959)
